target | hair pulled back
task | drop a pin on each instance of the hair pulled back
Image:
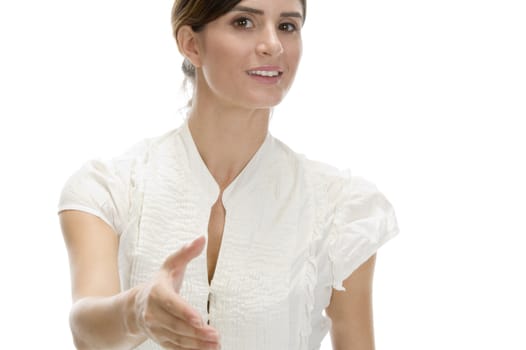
(197, 13)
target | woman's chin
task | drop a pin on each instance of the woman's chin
(266, 101)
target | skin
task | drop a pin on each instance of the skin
(351, 311)
(102, 317)
(228, 121)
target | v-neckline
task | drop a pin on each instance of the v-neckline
(209, 185)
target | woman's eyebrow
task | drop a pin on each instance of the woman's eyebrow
(248, 9)
(261, 12)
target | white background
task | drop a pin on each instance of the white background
(424, 98)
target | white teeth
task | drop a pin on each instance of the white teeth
(264, 73)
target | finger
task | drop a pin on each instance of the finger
(167, 335)
(182, 257)
(180, 326)
(171, 344)
(178, 307)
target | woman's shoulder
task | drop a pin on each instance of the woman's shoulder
(122, 167)
(334, 181)
(136, 154)
(104, 186)
(314, 169)
(142, 148)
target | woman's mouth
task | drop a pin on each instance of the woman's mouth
(265, 73)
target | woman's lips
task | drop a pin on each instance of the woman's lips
(266, 74)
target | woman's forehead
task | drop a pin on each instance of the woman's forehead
(271, 4)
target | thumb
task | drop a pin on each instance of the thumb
(182, 257)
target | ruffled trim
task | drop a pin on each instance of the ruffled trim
(363, 221)
(323, 217)
(136, 184)
(129, 239)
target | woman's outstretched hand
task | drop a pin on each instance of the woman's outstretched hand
(163, 315)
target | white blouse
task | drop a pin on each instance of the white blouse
(294, 230)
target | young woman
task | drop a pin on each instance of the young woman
(216, 234)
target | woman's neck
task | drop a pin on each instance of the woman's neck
(227, 137)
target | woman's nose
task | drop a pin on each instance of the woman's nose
(269, 43)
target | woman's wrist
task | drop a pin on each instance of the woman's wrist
(130, 313)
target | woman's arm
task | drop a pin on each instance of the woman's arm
(103, 317)
(351, 311)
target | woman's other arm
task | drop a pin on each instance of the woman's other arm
(351, 311)
(103, 317)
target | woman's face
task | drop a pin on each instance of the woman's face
(249, 56)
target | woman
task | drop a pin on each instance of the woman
(286, 237)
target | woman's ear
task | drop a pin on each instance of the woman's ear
(188, 44)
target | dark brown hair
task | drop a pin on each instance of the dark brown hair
(197, 13)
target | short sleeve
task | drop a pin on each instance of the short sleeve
(100, 188)
(363, 221)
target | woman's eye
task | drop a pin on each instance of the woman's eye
(287, 27)
(243, 22)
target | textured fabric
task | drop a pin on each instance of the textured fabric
(294, 230)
